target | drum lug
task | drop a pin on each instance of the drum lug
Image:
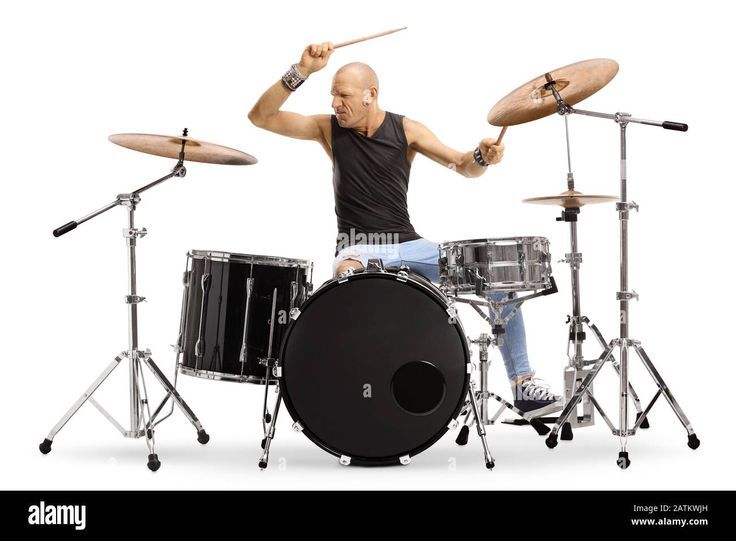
(453, 425)
(276, 371)
(374, 265)
(452, 312)
(345, 460)
(295, 313)
(402, 276)
(297, 427)
(345, 275)
(406, 459)
(468, 368)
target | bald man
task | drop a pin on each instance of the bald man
(372, 151)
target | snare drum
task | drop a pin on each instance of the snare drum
(495, 265)
(375, 367)
(235, 310)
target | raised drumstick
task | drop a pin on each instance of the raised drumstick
(372, 36)
(500, 135)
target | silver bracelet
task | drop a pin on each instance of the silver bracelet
(293, 79)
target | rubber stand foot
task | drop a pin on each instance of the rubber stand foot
(645, 424)
(623, 461)
(153, 462)
(45, 446)
(462, 437)
(262, 464)
(203, 437)
(692, 441)
(551, 441)
(566, 434)
(540, 427)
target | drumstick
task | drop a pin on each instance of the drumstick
(500, 135)
(372, 36)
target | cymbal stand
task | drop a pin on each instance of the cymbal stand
(624, 296)
(139, 403)
(578, 367)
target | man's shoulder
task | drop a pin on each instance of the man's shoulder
(410, 128)
(324, 122)
(323, 119)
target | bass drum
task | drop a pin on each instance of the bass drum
(375, 367)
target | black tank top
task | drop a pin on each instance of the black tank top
(370, 179)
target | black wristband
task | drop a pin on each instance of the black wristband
(293, 78)
(478, 157)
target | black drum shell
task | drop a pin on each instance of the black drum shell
(362, 332)
(224, 313)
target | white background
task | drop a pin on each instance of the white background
(75, 72)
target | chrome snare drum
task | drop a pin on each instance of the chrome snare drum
(495, 265)
(235, 310)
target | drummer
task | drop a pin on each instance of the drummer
(372, 151)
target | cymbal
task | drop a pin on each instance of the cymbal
(169, 147)
(571, 199)
(532, 101)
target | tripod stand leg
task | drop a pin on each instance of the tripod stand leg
(634, 398)
(481, 429)
(45, 446)
(202, 436)
(692, 440)
(551, 440)
(143, 406)
(263, 461)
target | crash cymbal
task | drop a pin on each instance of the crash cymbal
(169, 147)
(532, 100)
(571, 199)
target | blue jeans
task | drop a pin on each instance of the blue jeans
(422, 256)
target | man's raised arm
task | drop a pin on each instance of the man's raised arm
(267, 113)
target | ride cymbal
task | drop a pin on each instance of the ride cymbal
(534, 100)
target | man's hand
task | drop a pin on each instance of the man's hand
(315, 57)
(491, 151)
